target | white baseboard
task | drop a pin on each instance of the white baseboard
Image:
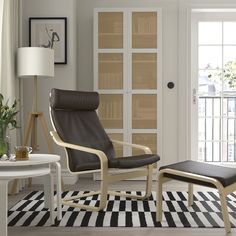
(67, 177)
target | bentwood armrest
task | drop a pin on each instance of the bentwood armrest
(102, 156)
(146, 149)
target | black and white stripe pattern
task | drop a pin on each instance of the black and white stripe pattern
(125, 212)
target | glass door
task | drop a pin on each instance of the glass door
(216, 89)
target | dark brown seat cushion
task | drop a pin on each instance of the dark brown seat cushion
(133, 161)
(225, 175)
(122, 162)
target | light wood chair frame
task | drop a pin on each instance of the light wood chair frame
(223, 192)
(106, 176)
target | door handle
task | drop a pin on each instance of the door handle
(194, 96)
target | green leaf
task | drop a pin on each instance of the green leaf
(8, 113)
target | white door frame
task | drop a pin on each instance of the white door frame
(185, 87)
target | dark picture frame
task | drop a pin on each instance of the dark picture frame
(50, 32)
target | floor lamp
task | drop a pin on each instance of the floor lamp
(36, 62)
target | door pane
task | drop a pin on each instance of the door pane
(110, 71)
(201, 107)
(144, 71)
(215, 37)
(110, 30)
(149, 140)
(111, 110)
(144, 30)
(209, 151)
(201, 151)
(217, 106)
(231, 129)
(210, 57)
(209, 82)
(225, 129)
(144, 111)
(231, 152)
(201, 129)
(229, 54)
(209, 107)
(209, 128)
(216, 151)
(216, 129)
(229, 32)
(118, 148)
(229, 70)
(224, 151)
(231, 107)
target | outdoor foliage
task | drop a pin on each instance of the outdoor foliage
(228, 74)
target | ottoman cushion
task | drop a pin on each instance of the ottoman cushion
(225, 175)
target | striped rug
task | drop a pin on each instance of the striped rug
(125, 212)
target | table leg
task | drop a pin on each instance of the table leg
(4, 207)
(58, 183)
(49, 195)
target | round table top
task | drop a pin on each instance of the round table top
(34, 159)
(23, 172)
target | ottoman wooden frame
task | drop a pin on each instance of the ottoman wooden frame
(194, 179)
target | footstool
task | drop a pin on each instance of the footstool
(193, 172)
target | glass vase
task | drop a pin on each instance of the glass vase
(3, 139)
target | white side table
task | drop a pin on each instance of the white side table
(37, 165)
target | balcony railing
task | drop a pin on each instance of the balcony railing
(217, 128)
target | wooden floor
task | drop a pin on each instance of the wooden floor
(125, 185)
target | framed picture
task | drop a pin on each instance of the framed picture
(50, 32)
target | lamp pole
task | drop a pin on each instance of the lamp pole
(35, 103)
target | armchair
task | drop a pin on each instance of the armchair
(89, 149)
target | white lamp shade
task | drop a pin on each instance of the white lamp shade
(37, 61)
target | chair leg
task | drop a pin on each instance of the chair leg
(148, 191)
(224, 210)
(104, 191)
(190, 194)
(102, 205)
(149, 182)
(159, 198)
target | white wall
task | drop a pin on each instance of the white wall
(65, 75)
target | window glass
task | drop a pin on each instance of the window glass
(215, 37)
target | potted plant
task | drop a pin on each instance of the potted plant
(7, 120)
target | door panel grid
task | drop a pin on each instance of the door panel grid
(217, 92)
(127, 74)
